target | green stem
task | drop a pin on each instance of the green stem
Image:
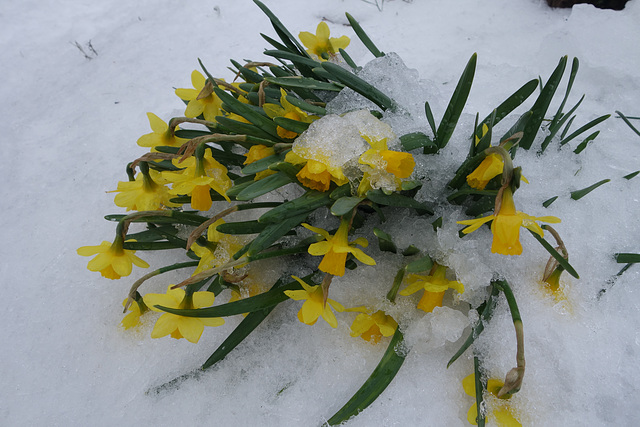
(391, 296)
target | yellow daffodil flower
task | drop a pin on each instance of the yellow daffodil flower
(434, 288)
(112, 260)
(219, 249)
(489, 168)
(146, 193)
(288, 111)
(383, 168)
(320, 45)
(318, 173)
(198, 178)
(258, 152)
(372, 327)
(137, 308)
(314, 305)
(506, 226)
(178, 327)
(335, 249)
(202, 99)
(161, 136)
(499, 409)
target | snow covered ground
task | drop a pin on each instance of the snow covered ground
(71, 119)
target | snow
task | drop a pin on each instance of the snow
(70, 126)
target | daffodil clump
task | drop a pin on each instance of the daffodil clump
(260, 170)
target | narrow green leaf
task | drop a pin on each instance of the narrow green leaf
(541, 105)
(631, 175)
(626, 120)
(588, 126)
(421, 264)
(456, 104)
(304, 83)
(282, 31)
(149, 246)
(274, 232)
(374, 386)
(555, 127)
(484, 140)
(567, 127)
(411, 250)
(263, 186)
(262, 122)
(430, 119)
(360, 86)
(586, 141)
(263, 164)
(518, 126)
(627, 258)
(305, 204)
(348, 59)
(480, 387)
(385, 242)
(578, 194)
(548, 202)
(241, 227)
(414, 140)
(344, 205)
(509, 104)
(291, 125)
(397, 200)
(152, 234)
(303, 105)
(275, 43)
(561, 260)
(364, 38)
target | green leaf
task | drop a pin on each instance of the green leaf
(588, 126)
(304, 83)
(561, 260)
(303, 105)
(626, 120)
(374, 386)
(360, 86)
(541, 105)
(430, 119)
(586, 141)
(241, 128)
(414, 140)
(578, 194)
(282, 31)
(245, 110)
(348, 59)
(305, 204)
(548, 202)
(627, 258)
(241, 227)
(410, 251)
(263, 186)
(418, 266)
(364, 38)
(247, 305)
(150, 246)
(344, 205)
(385, 242)
(274, 232)
(632, 175)
(468, 166)
(291, 125)
(263, 164)
(456, 104)
(397, 200)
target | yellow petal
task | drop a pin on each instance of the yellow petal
(474, 224)
(166, 324)
(157, 124)
(190, 328)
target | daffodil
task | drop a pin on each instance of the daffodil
(258, 152)
(288, 111)
(320, 45)
(335, 249)
(489, 168)
(136, 308)
(197, 178)
(499, 410)
(314, 305)
(372, 327)
(146, 193)
(178, 327)
(434, 287)
(506, 226)
(202, 99)
(161, 135)
(316, 174)
(112, 260)
(219, 249)
(383, 168)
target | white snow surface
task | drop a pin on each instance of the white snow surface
(67, 362)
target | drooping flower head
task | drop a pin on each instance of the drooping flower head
(314, 305)
(372, 327)
(382, 167)
(500, 411)
(202, 99)
(178, 327)
(434, 287)
(258, 152)
(335, 249)
(136, 308)
(506, 225)
(147, 193)
(161, 135)
(288, 111)
(320, 45)
(112, 260)
(198, 177)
